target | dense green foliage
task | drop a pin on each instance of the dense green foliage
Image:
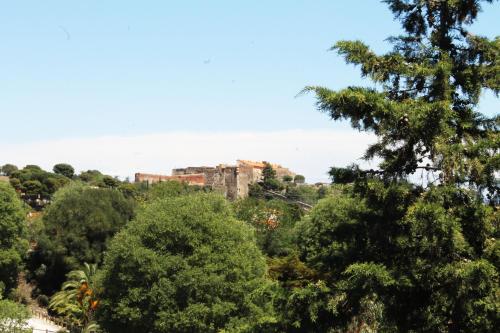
(36, 185)
(269, 179)
(13, 317)
(309, 194)
(77, 300)
(345, 175)
(270, 187)
(386, 255)
(171, 189)
(426, 261)
(96, 178)
(13, 244)
(8, 169)
(64, 169)
(299, 179)
(273, 222)
(77, 228)
(92, 177)
(185, 264)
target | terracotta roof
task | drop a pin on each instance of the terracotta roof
(258, 165)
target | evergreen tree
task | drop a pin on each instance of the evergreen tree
(387, 255)
(269, 180)
(425, 114)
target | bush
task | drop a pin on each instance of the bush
(42, 300)
(299, 179)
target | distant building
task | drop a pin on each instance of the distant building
(232, 180)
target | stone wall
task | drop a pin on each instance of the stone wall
(246, 176)
(231, 180)
(193, 179)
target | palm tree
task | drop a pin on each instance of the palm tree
(77, 300)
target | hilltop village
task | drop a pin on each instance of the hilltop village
(232, 180)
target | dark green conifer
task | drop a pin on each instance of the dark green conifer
(425, 113)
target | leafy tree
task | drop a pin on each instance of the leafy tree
(345, 175)
(287, 178)
(256, 191)
(33, 167)
(96, 178)
(13, 244)
(171, 188)
(273, 222)
(32, 188)
(111, 182)
(15, 183)
(299, 179)
(78, 226)
(37, 185)
(185, 264)
(132, 191)
(304, 193)
(77, 300)
(8, 169)
(64, 169)
(416, 256)
(92, 177)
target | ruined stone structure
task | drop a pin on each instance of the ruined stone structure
(192, 179)
(231, 180)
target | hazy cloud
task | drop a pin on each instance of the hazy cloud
(309, 152)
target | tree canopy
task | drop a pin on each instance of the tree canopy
(77, 228)
(13, 244)
(427, 260)
(64, 169)
(185, 264)
(273, 221)
(8, 169)
(36, 185)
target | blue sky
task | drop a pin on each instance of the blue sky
(88, 69)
